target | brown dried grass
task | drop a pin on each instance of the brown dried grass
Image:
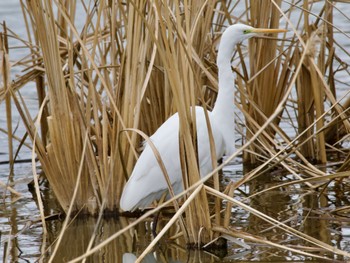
(133, 64)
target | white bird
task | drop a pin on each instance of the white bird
(147, 182)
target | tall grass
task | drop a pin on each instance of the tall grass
(269, 79)
(129, 65)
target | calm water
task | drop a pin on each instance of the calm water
(22, 235)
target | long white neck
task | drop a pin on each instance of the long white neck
(224, 106)
(225, 98)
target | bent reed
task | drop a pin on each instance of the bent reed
(107, 70)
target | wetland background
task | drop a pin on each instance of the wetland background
(137, 74)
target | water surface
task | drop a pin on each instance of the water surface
(22, 238)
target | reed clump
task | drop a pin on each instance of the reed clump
(106, 69)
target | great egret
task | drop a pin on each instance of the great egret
(147, 182)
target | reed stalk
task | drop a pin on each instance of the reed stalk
(268, 87)
(132, 64)
(5, 73)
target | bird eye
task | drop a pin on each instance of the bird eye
(245, 31)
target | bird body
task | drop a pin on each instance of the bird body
(147, 182)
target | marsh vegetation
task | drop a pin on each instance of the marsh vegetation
(107, 74)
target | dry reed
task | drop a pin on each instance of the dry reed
(133, 64)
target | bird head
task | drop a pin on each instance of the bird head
(240, 32)
(236, 33)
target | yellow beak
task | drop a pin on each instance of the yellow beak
(268, 30)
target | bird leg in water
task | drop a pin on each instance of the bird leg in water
(156, 217)
(154, 224)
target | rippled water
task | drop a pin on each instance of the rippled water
(22, 234)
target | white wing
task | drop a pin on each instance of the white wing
(147, 182)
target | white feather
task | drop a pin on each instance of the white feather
(147, 182)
